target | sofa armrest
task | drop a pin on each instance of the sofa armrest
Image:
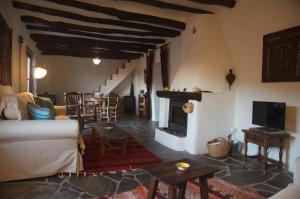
(60, 110)
(296, 171)
(12, 130)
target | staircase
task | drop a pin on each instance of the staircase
(117, 78)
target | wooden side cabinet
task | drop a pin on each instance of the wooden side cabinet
(265, 140)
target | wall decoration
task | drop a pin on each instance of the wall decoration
(281, 56)
(5, 53)
(230, 78)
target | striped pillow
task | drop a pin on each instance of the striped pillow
(37, 112)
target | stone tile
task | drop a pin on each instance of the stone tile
(221, 174)
(27, 190)
(144, 179)
(55, 179)
(116, 176)
(66, 193)
(126, 185)
(281, 180)
(265, 194)
(265, 187)
(95, 185)
(247, 177)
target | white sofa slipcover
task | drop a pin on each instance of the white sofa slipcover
(37, 148)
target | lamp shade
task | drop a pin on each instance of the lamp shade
(96, 61)
(39, 73)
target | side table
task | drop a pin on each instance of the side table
(265, 139)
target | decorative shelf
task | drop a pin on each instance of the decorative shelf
(181, 95)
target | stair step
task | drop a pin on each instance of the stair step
(117, 78)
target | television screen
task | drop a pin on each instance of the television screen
(270, 115)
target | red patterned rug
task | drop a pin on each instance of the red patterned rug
(218, 189)
(137, 157)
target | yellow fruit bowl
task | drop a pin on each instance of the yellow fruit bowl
(182, 166)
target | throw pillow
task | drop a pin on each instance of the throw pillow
(9, 108)
(37, 112)
(23, 99)
(45, 103)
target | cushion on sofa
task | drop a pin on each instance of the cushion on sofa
(9, 108)
(23, 99)
(45, 103)
(62, 117)
(37, 112)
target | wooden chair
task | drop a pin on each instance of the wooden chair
(76, 110)
(104, 109)
(113, 107)
(88, 102)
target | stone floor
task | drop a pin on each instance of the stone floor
(232, 169)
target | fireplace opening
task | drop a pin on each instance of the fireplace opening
(177, 118)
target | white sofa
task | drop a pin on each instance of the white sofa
(37, 148)
(292, 191)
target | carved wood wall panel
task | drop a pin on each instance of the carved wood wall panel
(281, 56)
(5, 53)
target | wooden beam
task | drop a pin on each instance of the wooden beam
(63, 25)
(122, 15)
(84, 42)
(70, 15)
(84, 54)
(170, 6)
(92, 52)
(94, 35)
(89, 41)
(226, 3)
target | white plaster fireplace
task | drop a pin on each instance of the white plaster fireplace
(212, 117)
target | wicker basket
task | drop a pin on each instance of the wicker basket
(219, 147)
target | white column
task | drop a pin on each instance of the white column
(164, 104)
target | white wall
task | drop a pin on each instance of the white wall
(74, 74)
(201, 59)
(243, 29)
(14, 22)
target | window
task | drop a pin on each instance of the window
(29, 69)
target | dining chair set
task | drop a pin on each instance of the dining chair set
(87, 108)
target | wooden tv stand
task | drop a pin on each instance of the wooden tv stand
(265, 139)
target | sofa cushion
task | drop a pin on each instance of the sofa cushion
(37, 112)
(23, 99)
(9, 108)
(62, 117)
(45, 103)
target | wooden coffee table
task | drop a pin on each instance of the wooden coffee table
(105, 137)
(175, 179)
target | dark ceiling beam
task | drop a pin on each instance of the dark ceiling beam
(89, 41)
(83, 42)
(63, 25)
(84, 54)
(94, 35)
(89, 51)
(70, 15)
(226, 3)
(122, 15)
(170, 6)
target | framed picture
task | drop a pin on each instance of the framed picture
(281, 56)
(5, 53)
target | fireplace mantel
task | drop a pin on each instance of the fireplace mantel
(181, 95)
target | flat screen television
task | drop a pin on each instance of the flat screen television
(269, 115)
